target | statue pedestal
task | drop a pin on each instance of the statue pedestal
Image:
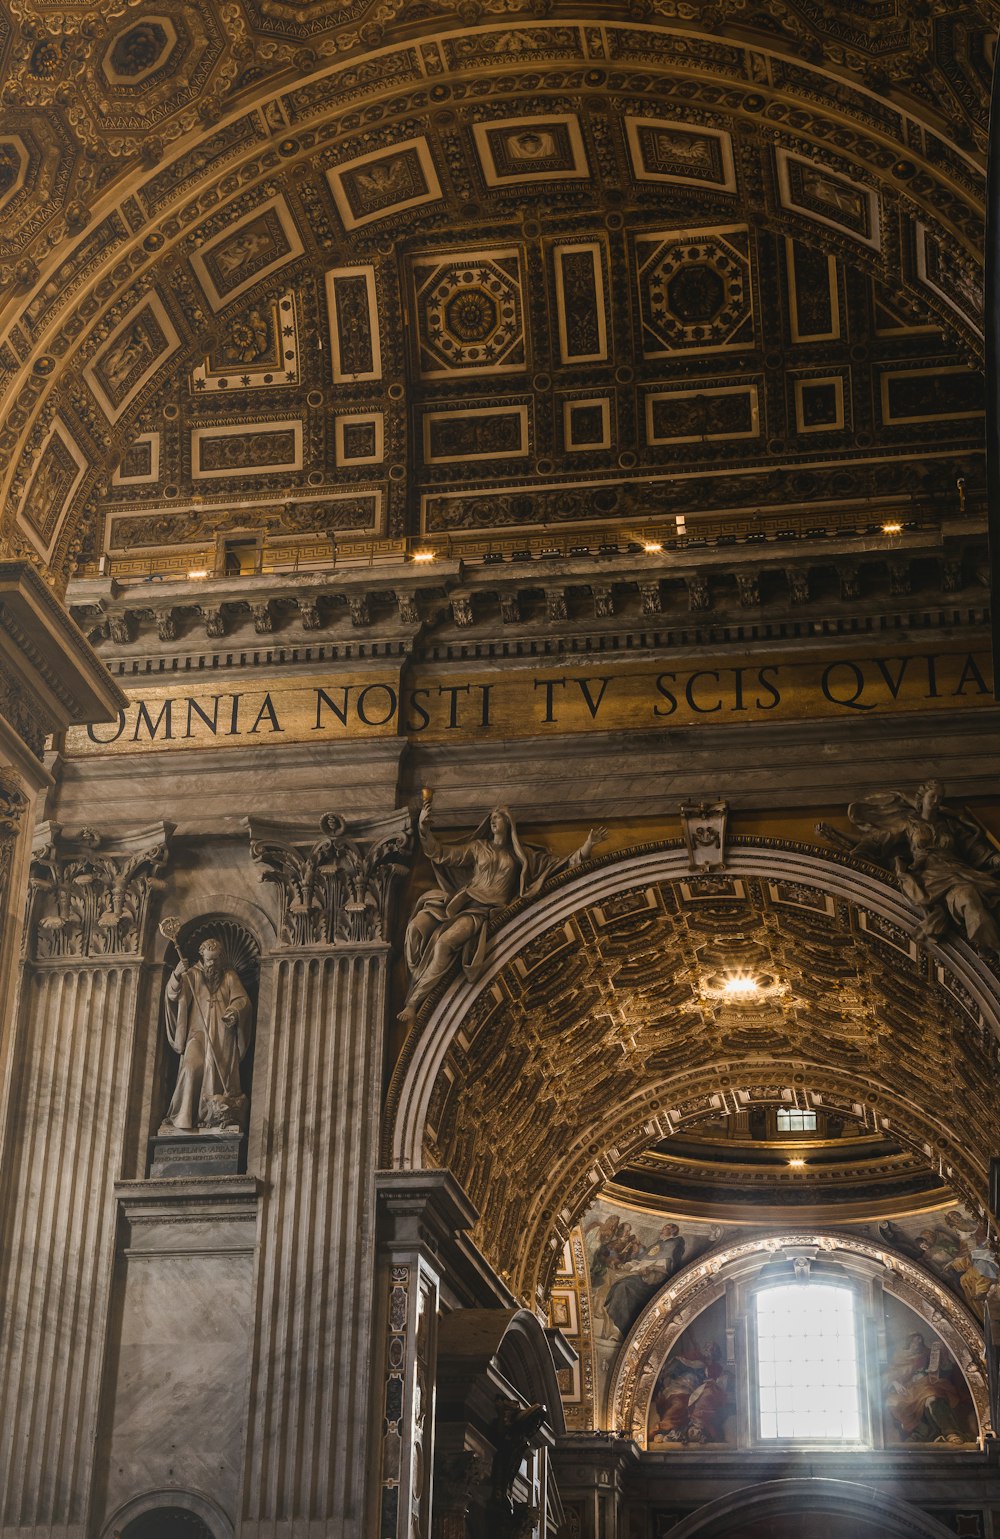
(194, 1154)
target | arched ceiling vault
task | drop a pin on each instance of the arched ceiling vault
(659, 168)
(607, 1028)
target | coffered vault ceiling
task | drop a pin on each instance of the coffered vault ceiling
(611, 1030)
(385, 270)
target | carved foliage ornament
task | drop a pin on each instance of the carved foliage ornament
(89, 897)
(337, 889)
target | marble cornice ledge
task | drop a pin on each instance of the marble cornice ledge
(50, 676)
(200, 1194)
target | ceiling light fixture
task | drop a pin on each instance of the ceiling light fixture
(201, 572)
(423, 555)
(740, 984)
(797, 1164)
(652, 548)
(892, 527)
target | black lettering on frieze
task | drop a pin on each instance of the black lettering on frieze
(970, 674)
(669, 697)
(327, 702)
(702, 710)
(894, 681)
(454, 690)
(856, 683)
(593, 706)
(416, 706)
(267, 709)
(234, 719)
(549, 685)
(164, 720)
(390, 701)
(194, 709)
(765, 683)
(484, 690)
(119, 729)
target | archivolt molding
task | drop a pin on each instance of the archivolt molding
(141, 248)
(589, 1006)
(781, 1498)
(668, 1315)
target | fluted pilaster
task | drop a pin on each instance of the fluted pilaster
(67, 1106)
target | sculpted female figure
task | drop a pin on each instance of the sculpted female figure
(486, 872)
(944, 862)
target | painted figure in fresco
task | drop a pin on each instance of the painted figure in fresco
(208, 1018)
(615, 1245)
(474, 878)
(657, 1263)
(693, 1397)
(921, 1402)
(944, 862)
(958, 1252)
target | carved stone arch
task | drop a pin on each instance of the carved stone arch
(199, 1505)
(948, 989)
(775, 1499)
(686, 1296)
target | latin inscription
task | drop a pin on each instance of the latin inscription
(519, 704)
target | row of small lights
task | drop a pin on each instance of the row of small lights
(650, 548)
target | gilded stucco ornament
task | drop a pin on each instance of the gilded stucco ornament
(475, 878)
(945, 862)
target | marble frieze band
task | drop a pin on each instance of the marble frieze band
(574, 695)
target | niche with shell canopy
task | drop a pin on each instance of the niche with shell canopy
(206, 1048)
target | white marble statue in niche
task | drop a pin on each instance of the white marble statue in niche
(209, 1021)
(475, 877)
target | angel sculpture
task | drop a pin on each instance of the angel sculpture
(945, 863)
(475, 878)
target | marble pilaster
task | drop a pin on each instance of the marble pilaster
(68, 1103)
(306, 1450)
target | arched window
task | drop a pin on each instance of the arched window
(808, 1378)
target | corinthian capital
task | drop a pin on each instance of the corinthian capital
(335, 889)
(90, 894)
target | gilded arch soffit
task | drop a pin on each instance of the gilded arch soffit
(668, 1315)
(597, 1030)
(345, 165)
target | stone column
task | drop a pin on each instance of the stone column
(306, 1453)
(88, 925)
(419, 1213)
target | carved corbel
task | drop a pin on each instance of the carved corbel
(850, 581)
(338, 889)
(748, 584)
(263, 617)
(900, 577)
(409, 610)
(461, 610)
(361, 609)
(89, 895)
(604, 601)
(510, 608)
(699, 593)
(214, 617)
(309, 614)
(797, 578)
(555, 604)
(651, 596)
(120, 629)
(166, 624)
